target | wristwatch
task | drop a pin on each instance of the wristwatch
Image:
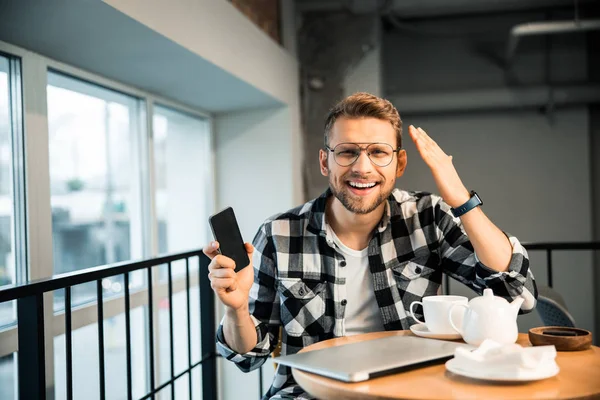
(473, 202)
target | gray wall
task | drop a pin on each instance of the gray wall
(445, 55)
(532, 166)
(533, 177)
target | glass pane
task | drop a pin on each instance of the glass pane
(85, 359)
(197, 383)
(180, 338)
(8, 377)
(183, 171)
(181, 390)
(7, 212)
(95, 169)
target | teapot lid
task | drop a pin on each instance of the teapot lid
(487, 301)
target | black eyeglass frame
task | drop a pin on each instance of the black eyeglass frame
(361, 150)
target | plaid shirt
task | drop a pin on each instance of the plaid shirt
(299, 284)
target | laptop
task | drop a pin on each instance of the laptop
(357, 362)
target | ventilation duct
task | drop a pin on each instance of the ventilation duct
(546, 28)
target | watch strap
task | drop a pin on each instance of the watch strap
(473, 202)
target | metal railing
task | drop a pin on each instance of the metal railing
(30, 314)
(548, 247)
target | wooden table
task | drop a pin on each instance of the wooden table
(579, 377)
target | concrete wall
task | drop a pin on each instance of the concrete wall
(252, 165)
(288, 25)
(531, 165)
(365, 76)
(533, 177)
(447, 55)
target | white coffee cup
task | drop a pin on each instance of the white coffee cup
(436, 309)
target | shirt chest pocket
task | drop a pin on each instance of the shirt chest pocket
(302, 305)
(418, 278)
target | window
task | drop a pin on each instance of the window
(8, 374)
(86, 360)
(180, 340)
(11, 184)
(7, 270)
(182, 170)
(95, 175)
(183, 181)
(12, 265)
(100, 158)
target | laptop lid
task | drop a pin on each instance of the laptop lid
(356, 362)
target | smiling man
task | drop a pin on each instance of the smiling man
(353, 260)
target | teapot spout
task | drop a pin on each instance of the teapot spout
(516, 305)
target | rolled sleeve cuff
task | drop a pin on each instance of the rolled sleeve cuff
(515, 282)
(261, 350)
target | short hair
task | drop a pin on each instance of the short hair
(364, 105)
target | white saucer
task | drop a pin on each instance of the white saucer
(421, 330)
(503, 376)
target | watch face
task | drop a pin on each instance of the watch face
(478, 198)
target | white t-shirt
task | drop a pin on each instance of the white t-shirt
(362, 312)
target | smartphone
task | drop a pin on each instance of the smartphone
(226, 231)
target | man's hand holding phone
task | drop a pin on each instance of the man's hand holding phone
(232, 288)
(231, 276)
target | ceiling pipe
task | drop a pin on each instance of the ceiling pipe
(496, 99)
(545, 28)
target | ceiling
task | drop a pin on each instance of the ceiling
(97, 38)
(433, 8)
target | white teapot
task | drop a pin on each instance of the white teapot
(489, 317)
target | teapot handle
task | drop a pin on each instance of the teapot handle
(450, 316)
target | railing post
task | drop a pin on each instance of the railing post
(101, 368)
(171, 331)
(128, 334)
(151, 331)
(549, 266)
(189, 324)
(32, 367)
(207, 332)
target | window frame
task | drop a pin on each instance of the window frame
(18, 224)
(35, 206)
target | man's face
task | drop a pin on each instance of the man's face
(362, 186)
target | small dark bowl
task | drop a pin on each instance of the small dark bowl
(581, 341)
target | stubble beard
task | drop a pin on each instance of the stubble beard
(357, 206)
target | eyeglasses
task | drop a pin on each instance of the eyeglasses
(346, 154)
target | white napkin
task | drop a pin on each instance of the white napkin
(511, 360)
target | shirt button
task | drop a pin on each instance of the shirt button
(418, 270)
(342, 263)
(301, 292)
(344, 302)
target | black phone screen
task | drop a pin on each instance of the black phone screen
(227, 232)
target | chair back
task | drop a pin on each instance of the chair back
(552, 308)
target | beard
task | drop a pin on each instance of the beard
(358, 205)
